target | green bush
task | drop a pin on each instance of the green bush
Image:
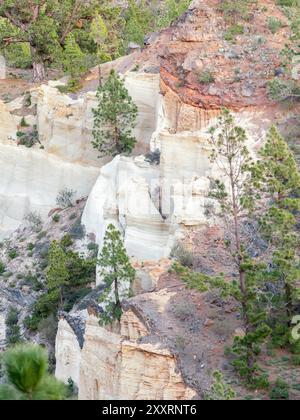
(66, 241)
(182, 255)
(13, 253)
(77, 231)
(296, 360)
(206, 77)
(274, 24)
(220, 390)
(28, 138)
(233, 32)
(56, 218)
(30, 246)
(23, 122)
(12, 332)
(280, 391)
(93, 248)
(18, 55)
(2, 267)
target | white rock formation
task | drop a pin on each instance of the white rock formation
(31, 178)
(67, 352)
(126, 195)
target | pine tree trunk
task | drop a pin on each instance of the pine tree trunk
(38, 66)
(38, 72)
(117, 296)
(289, 301)
(117, 141)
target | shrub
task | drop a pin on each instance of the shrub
(220, 391)
(93, 248)
(77, 231)
(13, 253)
(182, 255)
(32, 281)
(56, 218)
(41, 235)
(184, 310)
(12, 332)
(274, 24)
(65, 198)
(66, 241)
(2, 267)
(72, 216)
(206, 77)
(34, 220)
(280, 391)
(180, 343)
(28, 138)
(23, 122)
(233, 32)
(30, 246)
(296, 360)
(48, 329)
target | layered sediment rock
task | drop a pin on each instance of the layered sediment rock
(32, 178)
(118, 366)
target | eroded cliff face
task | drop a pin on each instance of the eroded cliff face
(153, 204)
(117, 366)
(32, 178)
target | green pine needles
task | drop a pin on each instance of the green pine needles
(117, 274)
(114, 118)
(220, 390)
(26, 375)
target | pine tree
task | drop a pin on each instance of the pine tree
(99, 33)
(73, 59)
(280, 183)
(57, 274)
(114, 118)
(12, 333)
(117, 274)
(139, 20)
(26, 377)
(237, 194)
(220, 390)
(45, 25)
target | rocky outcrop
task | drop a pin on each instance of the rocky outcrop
(118, 366)
(126, 194)
(67, 352)
(198, 45)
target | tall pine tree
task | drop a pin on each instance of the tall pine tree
(117, 274)
(57, 274)
(280, 183)
(114, 118)
(237, 194)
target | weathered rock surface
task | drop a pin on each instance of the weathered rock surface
(117, 366)
(31, 178)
